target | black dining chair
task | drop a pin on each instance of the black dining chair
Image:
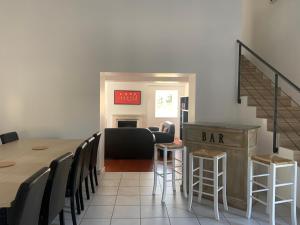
(86, 166)
(74, 180)
(54, 195)
(25, 209)
(9, 137)
(94, 157)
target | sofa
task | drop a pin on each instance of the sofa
(166, 134)
(129, 143)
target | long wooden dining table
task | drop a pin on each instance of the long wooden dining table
(27, 161)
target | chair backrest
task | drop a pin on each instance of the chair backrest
(25, 209)
(169, 128)
(94, 154)
(54, 196)
(87, 157)
(9, 137)
(76, 168)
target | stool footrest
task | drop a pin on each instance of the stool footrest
(220, 188)
(260, 190)
(204, 193)
(196, 183)
(204, 178)
(208, 171)
(209, 185)
(260, 201)
(284, 201)
(198, 168)
(284, 184)
(259, 184)
(261, 175)
(207, 178)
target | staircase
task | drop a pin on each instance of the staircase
(260, 92)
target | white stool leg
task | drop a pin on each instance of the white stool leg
(216, 187)
(200, 179)
(268, 193)
(224, 161)
(272, 191)
(173, 171)
(184, 152)
(155, 170)
(249, 188)
(165, 175)
(294, 195)
(191, 181)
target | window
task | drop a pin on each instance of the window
(166, 103)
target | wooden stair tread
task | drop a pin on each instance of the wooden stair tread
(260, 92)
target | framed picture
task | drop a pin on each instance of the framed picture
(127, 97)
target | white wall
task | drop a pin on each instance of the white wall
(147, 107)
(51, 54)
(272, 30)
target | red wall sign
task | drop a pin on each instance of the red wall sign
(127, 97)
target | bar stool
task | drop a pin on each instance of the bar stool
(173, 148)
(210, 155)
(272, 163)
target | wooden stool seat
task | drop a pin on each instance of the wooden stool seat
(197, 177)
(169, 146)
(268, 159)
(208, 153)
(271, 163)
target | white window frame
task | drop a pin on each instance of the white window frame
(168, 106)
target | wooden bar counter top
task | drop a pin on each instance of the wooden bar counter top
(238, 141)
(28, 156)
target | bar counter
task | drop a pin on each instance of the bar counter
(238, 141)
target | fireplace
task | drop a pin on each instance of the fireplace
(127, 123)
(128, 120)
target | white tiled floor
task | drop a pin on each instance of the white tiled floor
(126, 199)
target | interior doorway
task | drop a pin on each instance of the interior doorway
(139, 101)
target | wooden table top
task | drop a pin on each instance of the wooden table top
(27, 162)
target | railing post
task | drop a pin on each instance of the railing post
(239, 75)
(275, 148)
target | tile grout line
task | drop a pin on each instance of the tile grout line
(116, 200)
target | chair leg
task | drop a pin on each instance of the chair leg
(92, 181)
(271, 202)
(86, 180)
(184, 172)
(78, 202)
(216, 187)
(81, 196)
(62, 217)
(249, 188)
(173, 171)
(96, 177)
(165, 175)
(200, 179)
(72, 198)
(155, 170)
(224, 182)
(191, 180)
(294, 195)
